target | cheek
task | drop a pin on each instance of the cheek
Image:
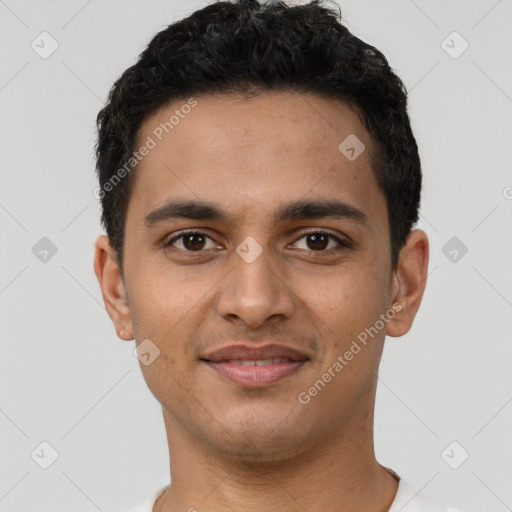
(347, 300)
(164, 310)
(156, 302)
(161, 309)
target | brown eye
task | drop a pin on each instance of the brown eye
(190, 241)
(194, 242)
(317, 241)
(321, 242)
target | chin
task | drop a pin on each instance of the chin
(262, 441)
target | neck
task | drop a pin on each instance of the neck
(338, 473)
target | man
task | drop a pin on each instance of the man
(259, 182)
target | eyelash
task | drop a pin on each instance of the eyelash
(342, 244)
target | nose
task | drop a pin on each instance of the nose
(255, 292)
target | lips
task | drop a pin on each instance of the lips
(245, 353)
(255, 366)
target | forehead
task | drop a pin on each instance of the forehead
(252, 154)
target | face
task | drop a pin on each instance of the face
(248, 227)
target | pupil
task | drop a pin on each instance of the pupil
(189, 244)
(318, 238)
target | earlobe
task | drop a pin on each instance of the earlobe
(409, 281)
(112, 287)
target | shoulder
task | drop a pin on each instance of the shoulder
(147, 505)
(408, 499)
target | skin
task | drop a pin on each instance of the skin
(233, 448)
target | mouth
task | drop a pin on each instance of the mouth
(255, 367)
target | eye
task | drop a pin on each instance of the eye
(322, 241)
(191, 241)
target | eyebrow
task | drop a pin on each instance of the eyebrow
(297, 210)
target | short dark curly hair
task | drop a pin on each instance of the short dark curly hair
(245, 47)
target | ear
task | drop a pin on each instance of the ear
(408, 282)
(112, 287)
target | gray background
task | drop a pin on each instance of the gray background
(66, 378)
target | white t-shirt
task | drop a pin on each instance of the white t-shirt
(407, 499)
